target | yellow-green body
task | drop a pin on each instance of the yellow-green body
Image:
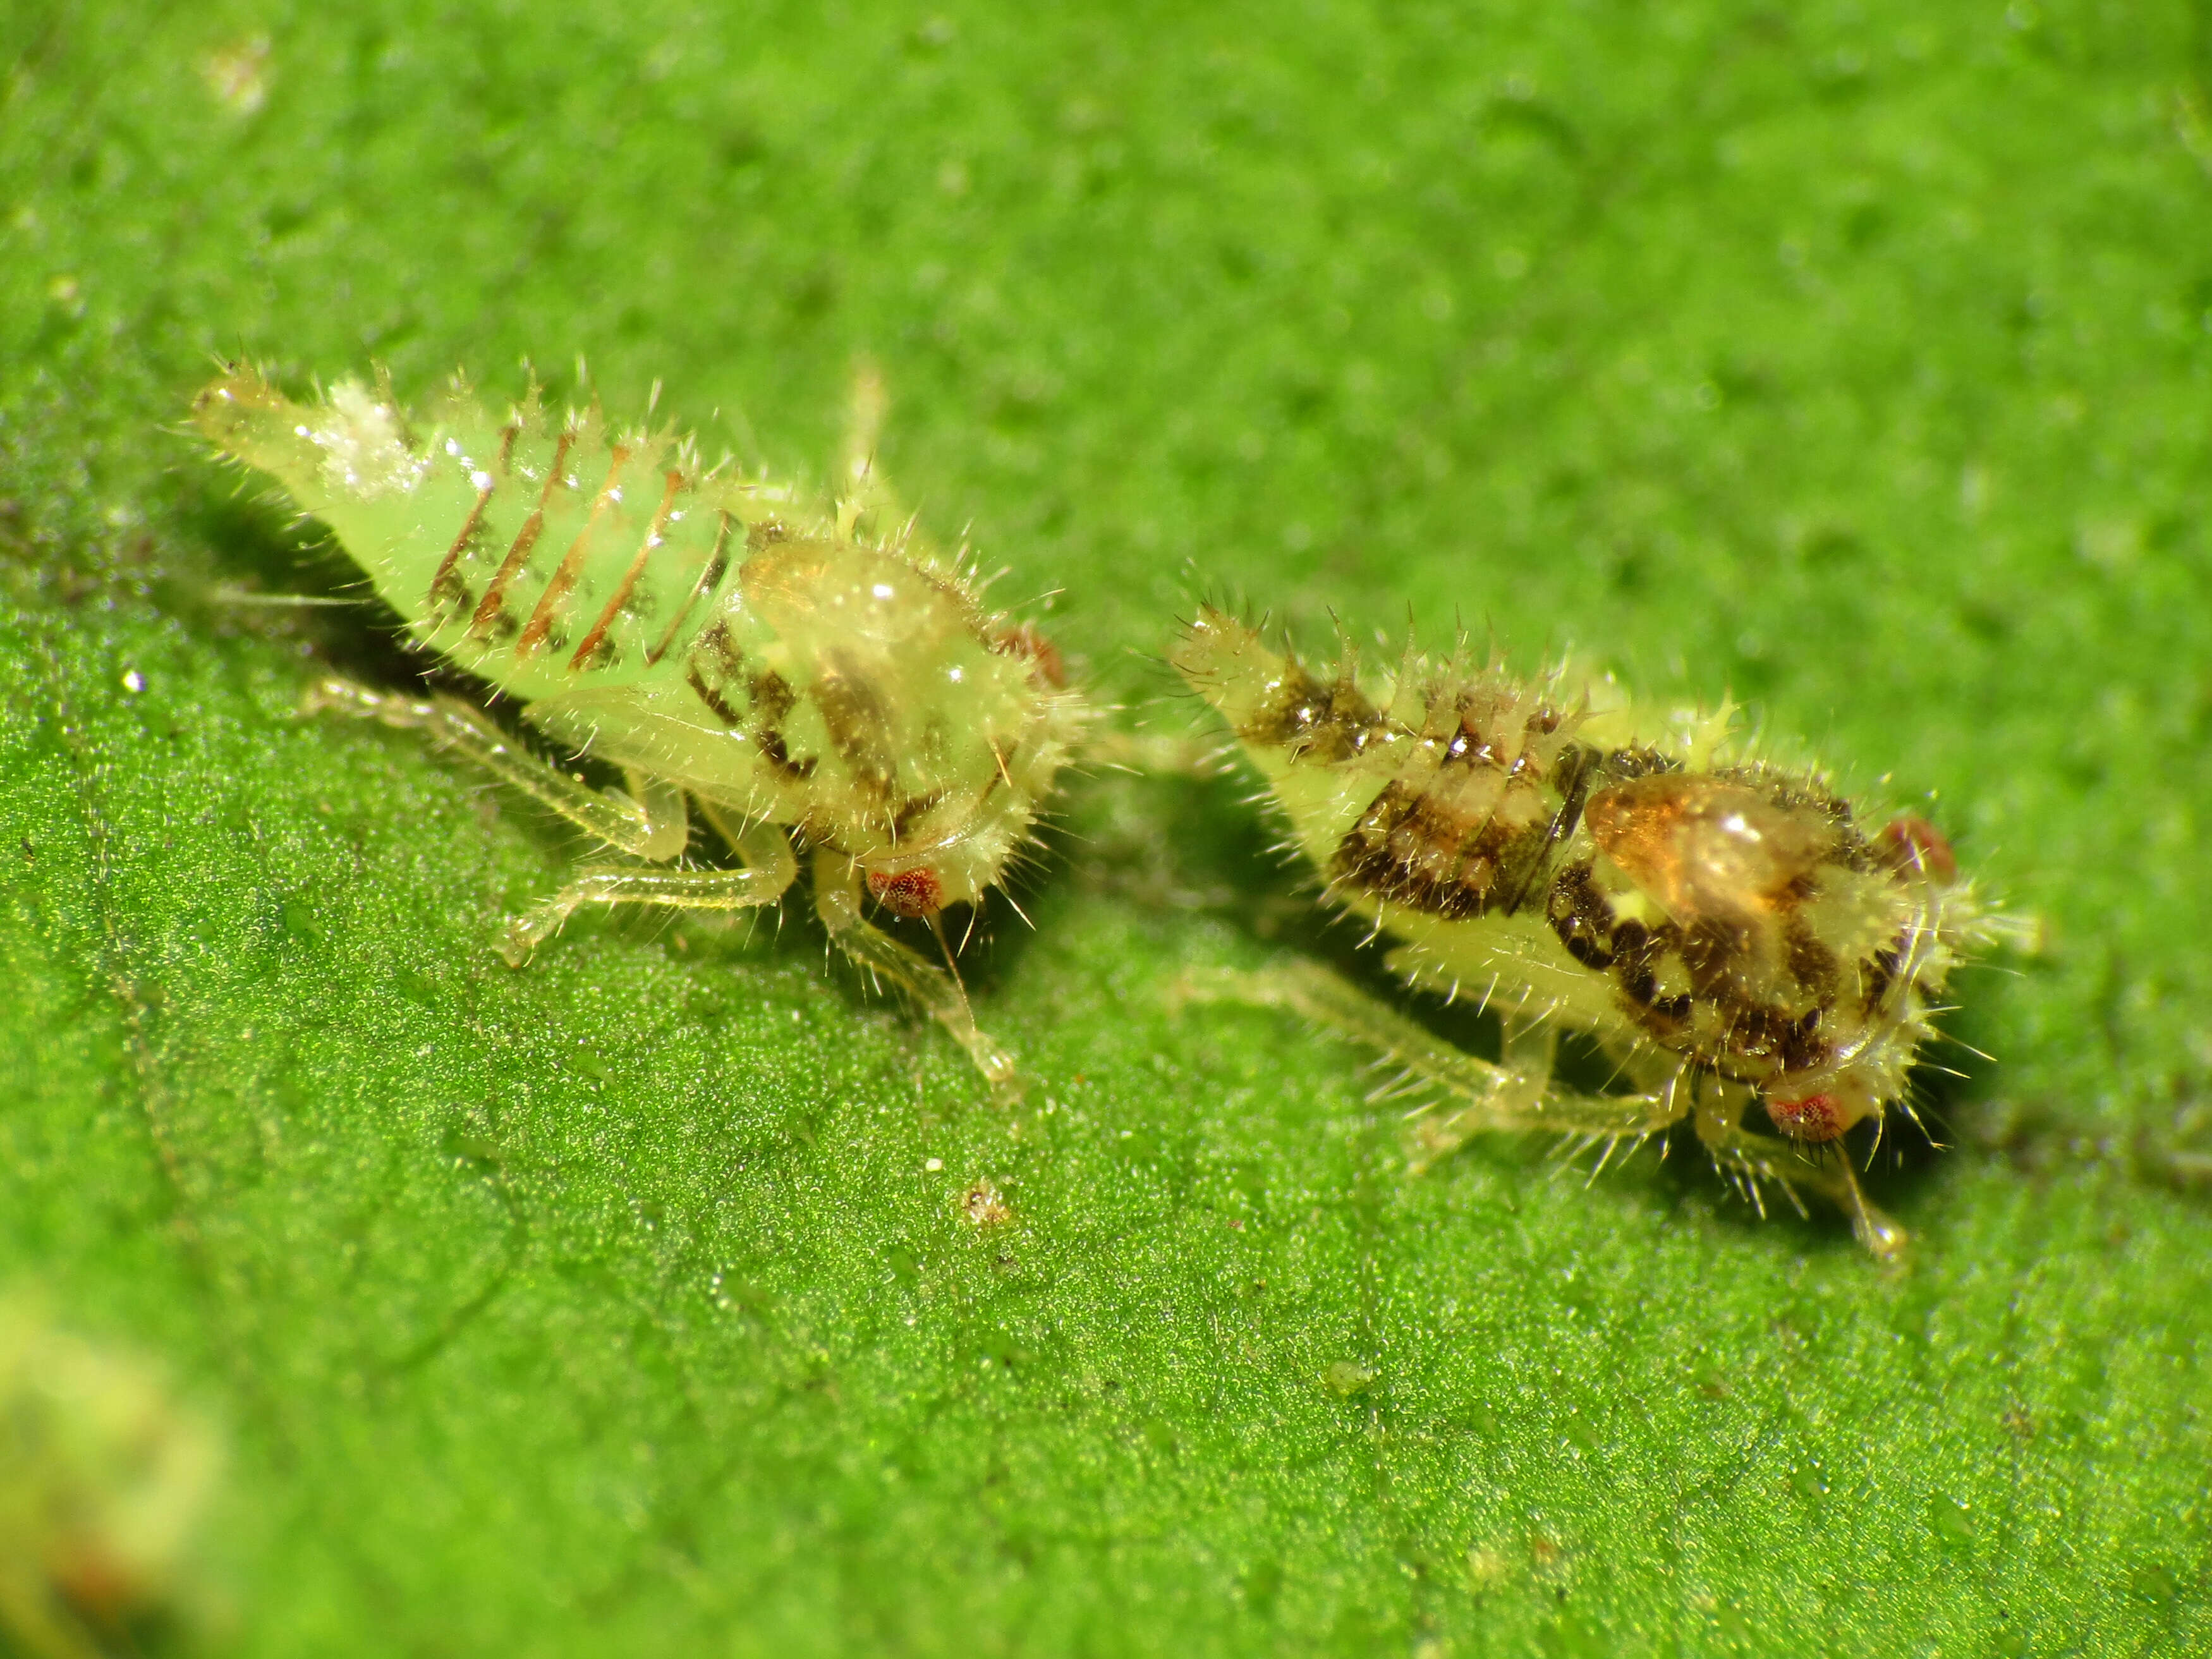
(718, 639)
(701, 628)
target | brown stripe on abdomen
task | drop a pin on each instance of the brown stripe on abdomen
(540, 625)
(493, 608)
(1524, 865)
(771, 745)
(710, 578)
(596, 650)
(715, 665)
(448, 591)
(717, 704)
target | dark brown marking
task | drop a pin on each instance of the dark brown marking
(1637, 951)
(710, 577)
(1729, 961)
(1805, 795)
(1716, 950)
(1756, 1032)
(713, 700)
(1802, 1047)
(913, 808)
(1880, 973)
(445, 586)
(771, 694)
(494, 606)
(855, 717)
(1583, 919)
(1572, 774)
(540, 626)
(716, 643)
(1811, 964)
(1413, 850)
(594, 651)
(770, 743)
(1323, 723)
(1625, 764)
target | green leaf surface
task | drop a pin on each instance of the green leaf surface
(1854, 359)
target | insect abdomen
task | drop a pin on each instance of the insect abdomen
(542, 555)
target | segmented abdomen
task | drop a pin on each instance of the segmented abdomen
(542, 560)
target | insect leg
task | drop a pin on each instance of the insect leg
(1515, 1095)
(762, 844)
(837, 901)
(1531, 1045)
(451, 724)
(668, 825)
(761, 882)
(1752, 1157)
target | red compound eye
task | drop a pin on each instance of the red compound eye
(1024, 641)
(1813, 1118)
(1912, 846)
(915, 892)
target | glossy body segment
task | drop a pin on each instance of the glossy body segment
(732, 650)
(1723, 926)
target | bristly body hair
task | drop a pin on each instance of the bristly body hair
(728, 642)
(1723, 924)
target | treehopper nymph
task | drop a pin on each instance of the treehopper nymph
(1723, 928)
(782, 671)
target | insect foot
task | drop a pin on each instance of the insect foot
(744, 658)
(1722, 927)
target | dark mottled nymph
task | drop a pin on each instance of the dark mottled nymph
(1727, 929)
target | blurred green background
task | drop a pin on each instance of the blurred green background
(1850, 357)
